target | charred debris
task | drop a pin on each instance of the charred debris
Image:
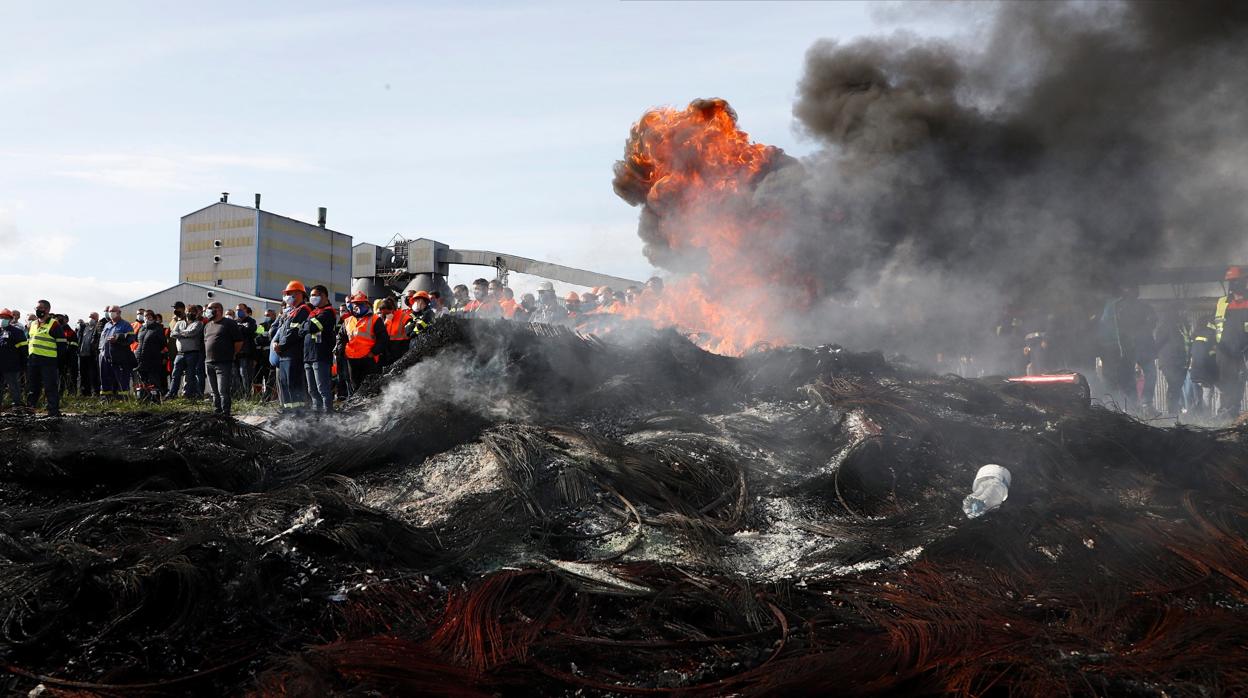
(519, 508)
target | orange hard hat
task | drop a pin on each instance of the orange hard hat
(572, 297)
(295, 286)
(358, 297)
(1235, 272)
(422, 294)
(5, 312)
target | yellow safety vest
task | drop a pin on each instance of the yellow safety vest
(42, 343)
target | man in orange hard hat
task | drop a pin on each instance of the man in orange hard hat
(422, 313)
(288, 333)
(362, 339)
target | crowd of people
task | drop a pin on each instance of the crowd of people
(1126, 343)
(308, 355)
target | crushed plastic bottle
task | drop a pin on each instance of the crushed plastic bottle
(992, 486)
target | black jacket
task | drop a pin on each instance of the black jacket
(12, 349)
(319, 333)
(248, 327)
(151, 350)
(89, 340)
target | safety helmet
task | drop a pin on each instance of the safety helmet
(377, 304)
(358, 297)
(546, 286)
(422, 294)
(295, 286)
(572, 297)
(1234, 272)
(5, 312)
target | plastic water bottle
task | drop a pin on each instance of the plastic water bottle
(992, 486)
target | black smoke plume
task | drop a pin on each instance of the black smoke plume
(1064, 149)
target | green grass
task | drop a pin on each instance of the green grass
(88, 405)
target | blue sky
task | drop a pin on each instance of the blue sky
(485, 125)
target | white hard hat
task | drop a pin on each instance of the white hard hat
(546, 286)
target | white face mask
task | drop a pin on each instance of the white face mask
(290, 300)
(316, 301)
(115, 315)
(207, 314)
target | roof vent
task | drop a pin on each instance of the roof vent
(225, 197)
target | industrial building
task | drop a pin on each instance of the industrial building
(227, 251)
(197, 294)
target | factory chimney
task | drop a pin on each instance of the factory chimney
(257, 202)
(320, 216)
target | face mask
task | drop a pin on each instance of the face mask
(208, 314)
(240, 314)
(316, 301)
(289, 300)
(359, 309)
(115, 315)
(479, 294)
(151, 320)
(41, 314)
(4, 322)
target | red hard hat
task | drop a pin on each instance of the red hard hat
(1233, 273)
(5, 312)
(295, 286)
(572, 297)
(358, 297)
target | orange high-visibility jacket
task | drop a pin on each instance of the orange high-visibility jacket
(361, 336)
(397, 323)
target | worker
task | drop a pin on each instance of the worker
(44, 347)
(548, 310)
(1202, 372)
(1173, 340)
(396, 319)
(68, 358)
(654, 285)
(12, 358)
(287, 343)
(318, 350)
(1230, 323)
(572, 304)
(480, 296)
(117, 360)
(422, 313)
(437, 303)
(1126, 330)
(364, 339)
(507, 301)
(528, 302)
(223, 340)
(88, 350)
(459, 299)
(245, 361)
(589, 302)
(188, 334)
(606, 298)
(151, 357)
(263, 378)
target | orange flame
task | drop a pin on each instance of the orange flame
(694, 172)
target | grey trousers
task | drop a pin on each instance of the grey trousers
(220, 374)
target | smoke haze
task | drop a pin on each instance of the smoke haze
(1070, 147)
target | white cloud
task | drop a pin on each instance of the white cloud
(75, 296)
(155, 172)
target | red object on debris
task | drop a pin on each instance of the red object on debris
(1048, 378)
